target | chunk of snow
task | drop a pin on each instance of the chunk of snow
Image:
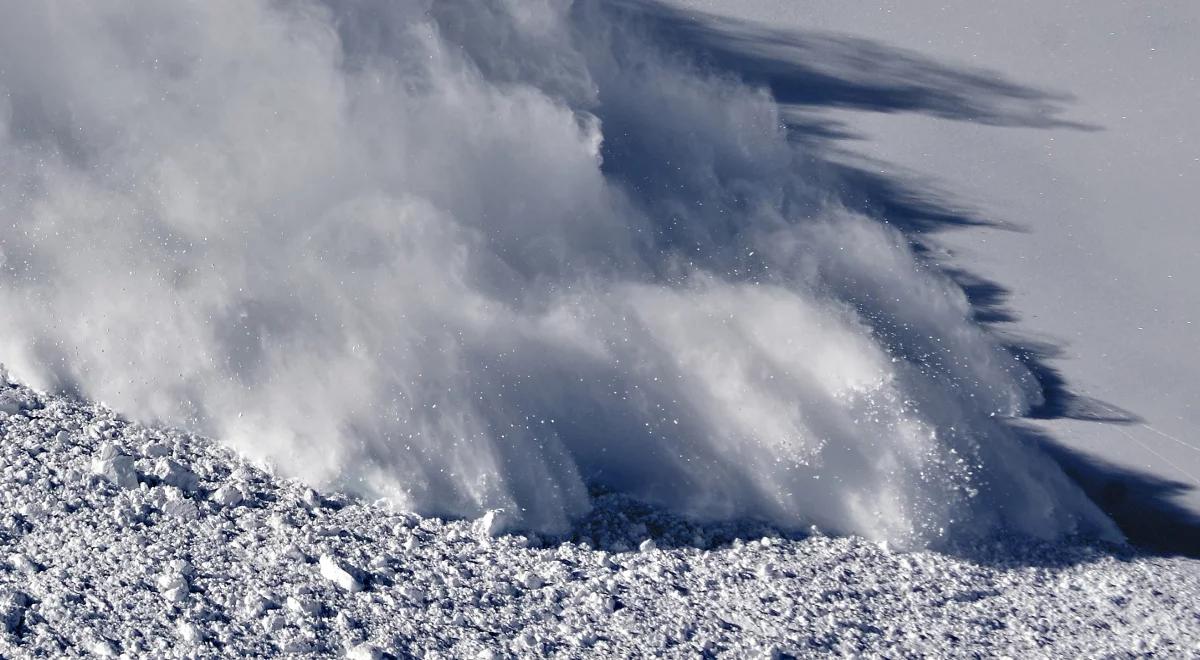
(291, 552)
(413, 593)
(156, 450)
(303, 605)
(256, 604)
(116, 468)
(273, 622)
(648, 545)
(296, 646)
(345, 621)
(169, 581)
(174, 474)
(125, 515)
(182, 509)
(21, 563)
(493, 523)
(189, 632)
(338, 573)
(9, 403)
(102, 648)
(601, 602)
(12, 610)
(530, 580)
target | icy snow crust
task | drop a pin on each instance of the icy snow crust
(489, 255)
(234, 562)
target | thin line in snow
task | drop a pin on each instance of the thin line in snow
(1171, 437)
(1160, 456)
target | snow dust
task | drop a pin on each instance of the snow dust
(194, 553)
(488, 256)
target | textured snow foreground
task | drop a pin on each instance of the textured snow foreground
(119, 539)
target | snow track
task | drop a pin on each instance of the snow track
(123, 540)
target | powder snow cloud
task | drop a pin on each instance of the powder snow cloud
(472, 255)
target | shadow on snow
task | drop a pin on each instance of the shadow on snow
(809, 73)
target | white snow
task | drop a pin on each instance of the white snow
(173, 474)
(1102, 264)
(364, 652)
(336, 572)
(171, 581)
(189, 632)
(115, 467)
(493, 523)
(8, 404)
(227, 495)
(12, 610)
(543, 333)
(215, 585)
(626, 275)
(181, 508)
(21, 563)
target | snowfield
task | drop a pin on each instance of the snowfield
(124, 540)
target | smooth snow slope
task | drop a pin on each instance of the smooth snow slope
(473, 255)
(1101, 182)
(118, 539)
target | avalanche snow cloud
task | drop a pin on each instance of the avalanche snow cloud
(472, 255)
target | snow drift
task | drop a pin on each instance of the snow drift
(473, 255)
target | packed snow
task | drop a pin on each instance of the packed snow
(104, 562)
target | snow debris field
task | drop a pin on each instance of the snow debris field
(123, 540)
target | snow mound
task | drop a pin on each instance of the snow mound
(486, 256)
(91, 567)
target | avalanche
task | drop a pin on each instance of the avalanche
(473, 256)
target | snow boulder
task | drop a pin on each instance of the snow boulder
(494, 523)
(340, 573)
(12, 610)
(173, 474)
(14, 400)
(116, 467)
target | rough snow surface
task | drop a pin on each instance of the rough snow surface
(96, 568)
